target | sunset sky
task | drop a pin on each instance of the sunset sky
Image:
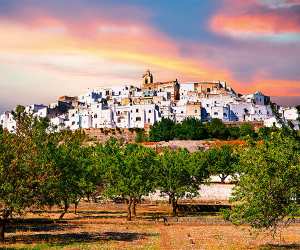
(53, 48)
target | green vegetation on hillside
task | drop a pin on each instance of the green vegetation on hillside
(39, 168)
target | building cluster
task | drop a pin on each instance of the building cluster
(140, 107)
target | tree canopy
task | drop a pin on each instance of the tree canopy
(25, 169)
(190, 129)
(129, 171)
(163, 130)
(269, 183)
(178, 175)
(223, 161)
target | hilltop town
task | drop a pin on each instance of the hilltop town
(129, 106)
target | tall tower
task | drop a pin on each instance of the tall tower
(147, 77)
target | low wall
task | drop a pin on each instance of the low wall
(214, 193)
(103, 134)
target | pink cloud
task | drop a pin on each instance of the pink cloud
(258, 19)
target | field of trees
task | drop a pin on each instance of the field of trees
(61, 180)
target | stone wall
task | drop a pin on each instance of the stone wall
(103, 134)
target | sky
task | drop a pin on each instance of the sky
(60, 47)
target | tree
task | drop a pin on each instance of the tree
(177, 176)
(73, 165)
(247, 130)
(190, 129)
(140, 136)
(163, 130)
(269, 184)
(128, 171)
(25, 169)
(234, 132)
(217, 129)
(223, 161)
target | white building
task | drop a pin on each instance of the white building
(132, 107)
(8, 122)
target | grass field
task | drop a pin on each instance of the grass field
(104, 226)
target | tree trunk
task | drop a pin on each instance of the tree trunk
(223, 178)
(129, 203)
(2, 230)
(174, 206)
(76, 206)
(66, 207)
(3, 223)
(134, 203)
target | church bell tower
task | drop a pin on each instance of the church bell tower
(147, 78)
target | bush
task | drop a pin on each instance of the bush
(247, 130)
(140, 136)
(217, 129)
(234, 132)
(190, 129)
(225, 214)
(163, 130)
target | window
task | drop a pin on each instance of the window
(181, 112)
(196, 111)
(215, 113)
(73, 123)
(149, 120)
(95, 115)
(137, 110)
(207, 105)
(138, 119)
(224, 114)
(150, 111)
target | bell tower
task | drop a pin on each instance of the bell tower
(147, 77)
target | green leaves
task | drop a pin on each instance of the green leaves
(269, 183)
(223, 161)
(24, 164)
(190, 129)
(163, 130)
(180, 174)
(128, 170)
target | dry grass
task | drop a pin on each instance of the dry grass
(99, 226)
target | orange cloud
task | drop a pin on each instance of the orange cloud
(259, 23)
(129, 42)
(258, 19)
(274, 87)
(98, 49)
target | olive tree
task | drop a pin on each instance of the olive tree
(179, 175)
(25, 167)
(223, 161)
(269, 183)
(128, 171)
(74, 170)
